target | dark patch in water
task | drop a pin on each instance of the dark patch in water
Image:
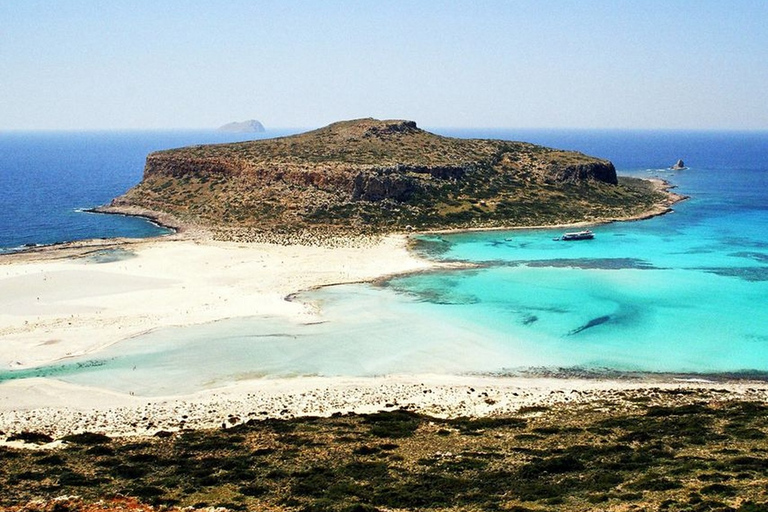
(744, 242)
(697, 250)
(109, 256)
(529, 319)
(591, 263)
(52, 370)
(444, 297)
(583, 372)
(443, 279)
(508, 242)
(550, 309)
(450, 283)
(752, 274)
(592, 323)
(756, 256)
(444, 290)
(432, 247)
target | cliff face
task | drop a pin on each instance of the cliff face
(598, 171)
(375, 175)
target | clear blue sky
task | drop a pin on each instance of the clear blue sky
(136, 64)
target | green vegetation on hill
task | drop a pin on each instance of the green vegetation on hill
(378, 176)
(671, 450)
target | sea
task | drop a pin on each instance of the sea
(48, 181)
(684, 293)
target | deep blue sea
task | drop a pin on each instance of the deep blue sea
(684, 293)
(47, 179)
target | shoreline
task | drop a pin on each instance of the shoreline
(76, 298)
(659, 209)
(58, 409)
(162, 220)
(191, 231)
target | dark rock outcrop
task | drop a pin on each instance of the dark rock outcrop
(680, 165)
(600, 171)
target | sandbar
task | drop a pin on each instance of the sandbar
(53, 308)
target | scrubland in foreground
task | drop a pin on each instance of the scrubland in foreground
(650, 449)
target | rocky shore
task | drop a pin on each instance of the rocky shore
(60, 409)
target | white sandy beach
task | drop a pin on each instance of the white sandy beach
(58, 306)
(52, 309)
(62, 304)
(58, 409)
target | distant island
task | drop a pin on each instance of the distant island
(250, 126)
(370, 176)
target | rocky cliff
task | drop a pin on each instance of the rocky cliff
(371, 175)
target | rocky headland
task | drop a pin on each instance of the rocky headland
(371, 176)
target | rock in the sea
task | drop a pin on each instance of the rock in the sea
(250, 126)
(679, 165)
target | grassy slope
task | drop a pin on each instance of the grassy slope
(647, 450)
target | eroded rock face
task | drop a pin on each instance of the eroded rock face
(383, 129)
(159, 164)
(401, 183)
(599, 171)
(377, 187)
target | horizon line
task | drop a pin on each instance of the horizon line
(298, 129)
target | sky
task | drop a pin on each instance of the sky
(162, 64)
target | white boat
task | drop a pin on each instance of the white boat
(577, 235)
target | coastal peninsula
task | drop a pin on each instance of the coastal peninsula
(369, 176)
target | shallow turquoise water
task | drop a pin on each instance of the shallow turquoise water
(683, 293)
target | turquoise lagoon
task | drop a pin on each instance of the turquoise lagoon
(683, 293)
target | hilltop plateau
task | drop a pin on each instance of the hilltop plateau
(372, 176)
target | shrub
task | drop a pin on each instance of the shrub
(395, 424)
(31, 437)
(87, 438)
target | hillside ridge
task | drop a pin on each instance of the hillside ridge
(374, 176)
